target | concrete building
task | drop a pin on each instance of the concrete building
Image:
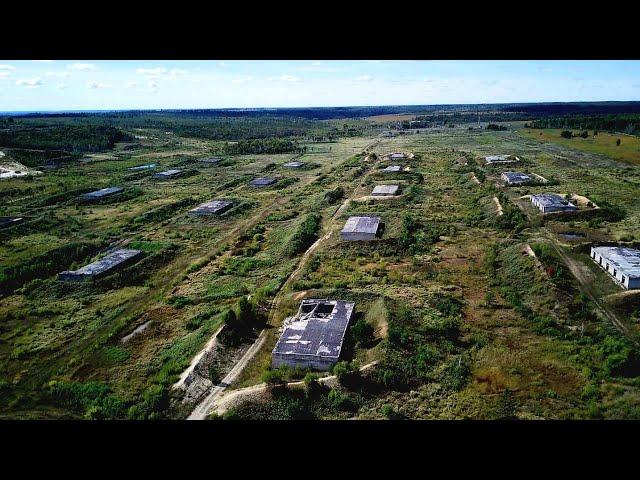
(99, 194)
(293, 165)
(313, 337)
(10, 221)
(622, 263)
(551, 202)
(384, 190)
(210, 160)
(213, 207)
(168, 174)
(397, 156)
(360, 228)
(143, 167)
(115, 259)
(392, 168)
(262, 182)
(515, 178)
(495, 159)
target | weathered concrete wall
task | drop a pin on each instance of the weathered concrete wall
(302, 361)
(350, 236)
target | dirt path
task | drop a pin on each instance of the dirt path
(210, 344)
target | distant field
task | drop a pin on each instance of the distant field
(395, 117)
(604, 143)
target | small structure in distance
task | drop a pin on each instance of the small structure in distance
(313, 337)
(143, 167)
(213, 207)
(175, 172)
(262, 182)
(621, 263)
(210, 160)
(516, 178)
(115, 259)
(293, 165)
(392, 169)
(99, 194)
(360, 228)
(497, 159)
(384, 190)
(10, 221)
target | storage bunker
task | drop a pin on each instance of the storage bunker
(115, 259)
(516, 178)
(384, 190)
(143, 167)
(262, 182)
(494, 159)
(392, 168)
(622, 263)
(168, 174)
(210, 160)
(552, 202)
(99, 194)
(397, 156)
(313, 337)
(10, 221)
(213, 207)
(360, 228)
(293, 164)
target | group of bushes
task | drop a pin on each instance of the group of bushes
(417, 236)
(261, 146)
(305, 234)
(241, 322)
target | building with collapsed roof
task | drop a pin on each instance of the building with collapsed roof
(360, 228)
(493, 159)
(551, 202)
(262, 182)
(313, 338)
(99, 194)
(10, 221)
(384, 190)
(622, 263)
(392, 168)
(143, 167)
(115, 259)
(515, 178)
(175, 172)
(213, 207)
(293, 164)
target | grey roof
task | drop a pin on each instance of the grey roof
(168, 173)
(552, 200)
(392, 168)
(293, 164)
(211, 160)
(143, 167)
(317, 329)
(500, 159)
(8, 221)
(385, 190)
(516, 177)
(106, 263)
(211, 207)
(103, 192)
(397, 155)
(262, 181)
(626, 260)
(361, 225)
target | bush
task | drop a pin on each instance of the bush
(566, 134)
(362, 332)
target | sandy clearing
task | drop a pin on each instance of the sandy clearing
(497, 202)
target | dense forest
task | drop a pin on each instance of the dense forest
(257, 146)
(612, 123)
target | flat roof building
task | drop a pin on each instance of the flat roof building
(143, 167)
(384, 190)
(9, 221)
(313, 337)
(515, 178)
(493, 159)
(293, 164)
(622, 263)
(175, 172)
(262, 182)
(211, 160)
(102, 193)
(360, 228)
(397, 156)
(392, 168)
(551, 202)
(115, 259)
(213, 207)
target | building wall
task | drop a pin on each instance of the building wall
(607, 266)
(302, 361)
(350, 236)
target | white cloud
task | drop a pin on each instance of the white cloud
(5, 75)
(223, 64)
(29, 82)
(62, 86)
(364, 78)
(43, 61)
(133, 84)
(82, 67)
(95, 85)
(243, 79)
(152, 84)
(286, 78)
(153, 72)
(7, 67)
(57, 74)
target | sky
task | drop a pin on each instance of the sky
(45, 85)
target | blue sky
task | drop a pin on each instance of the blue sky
(139, 84)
